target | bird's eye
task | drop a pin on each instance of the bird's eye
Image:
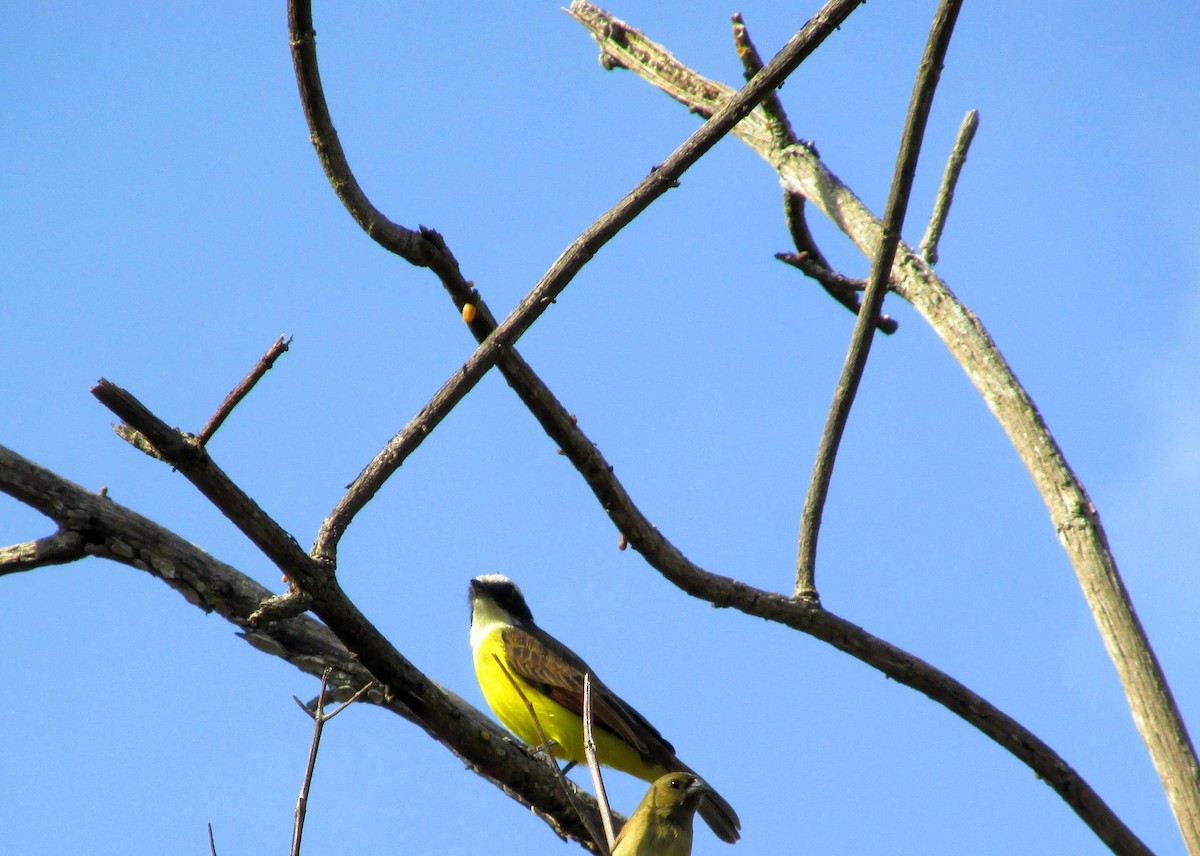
(676, 784)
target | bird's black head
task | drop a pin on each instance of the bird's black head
(504, 593)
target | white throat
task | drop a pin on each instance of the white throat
(486, 616)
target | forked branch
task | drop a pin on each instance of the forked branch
(660, 179)
(872, 302)
(438, 712)
(1071, 512)
(721, 591)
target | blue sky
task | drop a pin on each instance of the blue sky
(166, 218)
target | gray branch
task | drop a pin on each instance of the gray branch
(1072, 514)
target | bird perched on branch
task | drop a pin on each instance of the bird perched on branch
(662, 823)
(511, 651)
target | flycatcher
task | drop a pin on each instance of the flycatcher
(510, 648)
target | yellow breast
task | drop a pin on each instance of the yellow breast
(562, 727)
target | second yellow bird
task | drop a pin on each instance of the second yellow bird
(662, 823)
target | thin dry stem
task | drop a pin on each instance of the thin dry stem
(945, 196)
(812, 263)
(593, 762)
(844, 289)
(816, 266)
(319, 719)
(860, 341)
(243, 389)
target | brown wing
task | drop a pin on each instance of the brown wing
(558, 672)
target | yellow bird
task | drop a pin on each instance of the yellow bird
(509, 647)
(662, 823)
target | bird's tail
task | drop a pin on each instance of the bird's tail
(720, 817)
(715, 809)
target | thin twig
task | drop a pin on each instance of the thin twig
(783, 136)
(864, 328)
(548, 747)
(362, 691)
(941, 206)
(318, 717)
(752, 64)
(660, 179)
(593, 762)
(212, 841)
(242, 389)
(842, 288)
(797, 223)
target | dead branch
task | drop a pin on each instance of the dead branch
(1071, 512)
(181, 452)
(63, 546)
(872, 303)
(659, 180)
(808, 256)
(111, 531)
(813, 264)
(319, 718)
(243, 389)
(945, 195)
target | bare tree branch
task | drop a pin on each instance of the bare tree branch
(659, 180)
(593, 764)
(1074, 517)
(63, 546)
(111, 531)
(808, 257)
(752, 62)
(303, 38)
(945, 196)
(842, 288)
(318, 718)
(864, 328)
(190, 571)
(242, 389)
(813, 264)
